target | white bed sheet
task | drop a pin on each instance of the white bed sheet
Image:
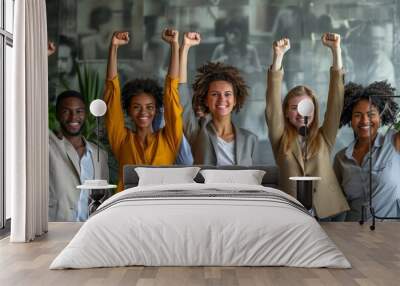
(200, 231)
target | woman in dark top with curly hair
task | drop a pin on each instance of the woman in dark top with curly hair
(218, 91)
(352, 163)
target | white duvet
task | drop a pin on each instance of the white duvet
(183, 231)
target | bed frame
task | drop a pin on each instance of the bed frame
(270, 179)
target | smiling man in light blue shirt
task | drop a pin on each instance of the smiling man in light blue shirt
(71, 161)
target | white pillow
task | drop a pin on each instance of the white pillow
(164, 176)
(249, 177)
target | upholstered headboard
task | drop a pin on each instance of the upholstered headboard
(270, 179)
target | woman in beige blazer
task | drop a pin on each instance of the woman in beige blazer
(284, 122)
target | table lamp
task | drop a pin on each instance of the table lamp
(97, 186)
(305, 184)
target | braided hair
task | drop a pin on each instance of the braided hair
(211, 72)
(353, 93)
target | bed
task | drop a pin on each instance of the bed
(201, 224)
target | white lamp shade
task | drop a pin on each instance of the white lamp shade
(305, 107)
(98, 107)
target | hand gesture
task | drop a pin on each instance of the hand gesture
(281, 46)
(120, 39)
(191, 39)
(51, 48)
(331, 40)
(170, 35)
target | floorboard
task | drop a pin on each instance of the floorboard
(374, 255)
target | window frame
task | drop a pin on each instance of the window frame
(6, 39)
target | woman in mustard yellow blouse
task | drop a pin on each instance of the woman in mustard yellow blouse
(139, 99)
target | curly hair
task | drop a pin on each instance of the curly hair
(353, 93)
(211, 72)
(135, 87)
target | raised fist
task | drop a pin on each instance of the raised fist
(51, 48)
(120, 38)
(281, 46)
(191, 39)
(331, 40)
(170, 35)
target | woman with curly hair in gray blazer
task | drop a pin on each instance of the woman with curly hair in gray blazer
(218, 91)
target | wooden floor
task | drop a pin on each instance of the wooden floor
(374, 255)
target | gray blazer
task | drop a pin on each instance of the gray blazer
(202, 136)
(64, 176)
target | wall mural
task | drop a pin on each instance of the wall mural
(238, 33)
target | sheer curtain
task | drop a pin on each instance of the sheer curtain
(26, 124)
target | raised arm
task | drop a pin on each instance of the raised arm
(118, 39)
(332, 41)
(114, 119)
(172, 37)
(190, 39)
(173, 129)
(334, 106)
(279, 49)
(191, 124)
(51, 48)
(273, 112)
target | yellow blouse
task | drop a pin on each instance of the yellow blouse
(162, 146)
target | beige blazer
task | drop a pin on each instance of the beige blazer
(328, 199)
(64, 176)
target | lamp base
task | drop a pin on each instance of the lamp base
(305, 189)
(305, 193)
